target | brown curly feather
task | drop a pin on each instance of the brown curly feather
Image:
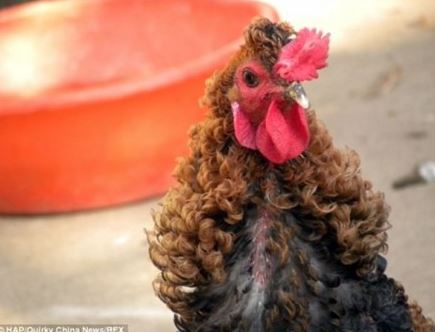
(421, 323)
(324, 187)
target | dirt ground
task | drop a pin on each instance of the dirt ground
(377, 97)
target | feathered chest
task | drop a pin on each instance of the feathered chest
(277, 280)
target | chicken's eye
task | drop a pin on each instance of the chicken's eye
(250, 78)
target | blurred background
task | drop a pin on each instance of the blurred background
(95, 101)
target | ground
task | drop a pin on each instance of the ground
(377, 97)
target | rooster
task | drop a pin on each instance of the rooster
(271, 227)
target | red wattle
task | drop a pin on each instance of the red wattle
(283, 135)
(266, 146)
(243, 128)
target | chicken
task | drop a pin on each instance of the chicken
(271, 227)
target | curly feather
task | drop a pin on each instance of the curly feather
(325, 230)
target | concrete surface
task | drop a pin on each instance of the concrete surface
(377, 96)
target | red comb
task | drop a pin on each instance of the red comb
(301, 58)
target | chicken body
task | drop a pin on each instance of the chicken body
(257, 236)
(285, 283)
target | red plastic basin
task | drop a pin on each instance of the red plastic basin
(96, 97)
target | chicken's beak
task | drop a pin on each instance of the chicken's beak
(296, 92)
